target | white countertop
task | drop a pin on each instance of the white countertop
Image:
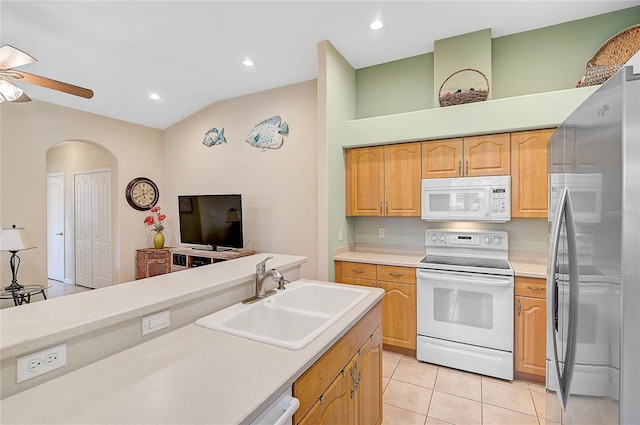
(189, 376)
(525, 264)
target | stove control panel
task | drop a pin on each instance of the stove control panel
(468, 239)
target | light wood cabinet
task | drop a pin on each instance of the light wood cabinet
(345, 385)
(399, 302)
(529, 177)
(530, 329)
(152, 262)
(383, 180)
(487, 155)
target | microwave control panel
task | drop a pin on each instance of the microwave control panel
(467, 239)
(499, 200)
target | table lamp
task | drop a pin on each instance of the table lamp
(14, 240)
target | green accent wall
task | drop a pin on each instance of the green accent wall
(537, 61)
(394, 87)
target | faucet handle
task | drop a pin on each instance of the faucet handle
(261, 266)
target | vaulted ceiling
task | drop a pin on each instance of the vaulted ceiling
(190, 53)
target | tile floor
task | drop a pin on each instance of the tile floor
(426, 394)
(56, 289)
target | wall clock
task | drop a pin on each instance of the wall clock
(142, 193)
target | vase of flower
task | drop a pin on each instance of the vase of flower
(155, 222)
(158, 240)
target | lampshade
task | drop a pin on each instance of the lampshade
(9, 91)
(233, 216)
(15, 239)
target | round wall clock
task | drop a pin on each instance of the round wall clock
(142, 193)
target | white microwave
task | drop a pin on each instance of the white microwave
(467, 199)
(585, 191)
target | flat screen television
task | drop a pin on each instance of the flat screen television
(211, 221)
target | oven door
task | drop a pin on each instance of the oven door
(470, 308)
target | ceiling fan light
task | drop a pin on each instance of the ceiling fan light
(9, 91)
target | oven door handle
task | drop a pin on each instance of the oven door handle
(485, 280)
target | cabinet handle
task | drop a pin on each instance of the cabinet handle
(459, 168)
(322, 399)
(519, 307)
(380, 207)
(396, 274)
(466, 167)
(359, 375)
(357, 271)
(355, 385)
(535, 288)
(386, 207)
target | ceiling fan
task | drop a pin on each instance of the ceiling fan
(10, 57)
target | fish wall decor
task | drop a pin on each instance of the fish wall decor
(263, 135)
(214, 137)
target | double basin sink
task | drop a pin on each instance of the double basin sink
(291, 318)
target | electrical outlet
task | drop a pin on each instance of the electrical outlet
(155, 322)
(381, 232)
(340, 235)
(43, 361)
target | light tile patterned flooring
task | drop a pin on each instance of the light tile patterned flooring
(426, 394)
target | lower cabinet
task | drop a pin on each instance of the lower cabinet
(152, 262)
(345, 385)
(399, 302)
(530, 329)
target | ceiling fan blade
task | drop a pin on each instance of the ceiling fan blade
(55, 85)
(10, 57)
(23, 98)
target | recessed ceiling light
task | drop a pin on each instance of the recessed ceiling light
(376, 24)
(247, 62)
(154, 96)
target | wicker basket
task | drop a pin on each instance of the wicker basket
(461, 97)
(610, 57)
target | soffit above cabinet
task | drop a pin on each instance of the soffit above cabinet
(530, 112)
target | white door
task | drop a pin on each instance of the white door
(93, 228)
(55, 227)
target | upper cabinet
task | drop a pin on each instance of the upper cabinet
(383, 180)
(529, 177)
(487, 155)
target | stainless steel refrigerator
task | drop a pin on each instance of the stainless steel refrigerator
(593, 279)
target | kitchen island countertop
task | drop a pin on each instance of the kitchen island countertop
(191, 375)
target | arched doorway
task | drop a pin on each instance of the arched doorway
(73, 163)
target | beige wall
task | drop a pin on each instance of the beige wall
(279, 187)
(28, 131)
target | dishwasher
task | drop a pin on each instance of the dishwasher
(280, 411)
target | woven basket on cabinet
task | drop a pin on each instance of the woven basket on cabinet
(461, 97)
(610, 57)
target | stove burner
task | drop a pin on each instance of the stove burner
(483, 263)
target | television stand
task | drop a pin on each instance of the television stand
(185, 258)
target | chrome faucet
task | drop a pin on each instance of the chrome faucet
(261, 275)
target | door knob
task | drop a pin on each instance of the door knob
(59, 234)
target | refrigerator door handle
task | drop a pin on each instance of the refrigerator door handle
(574, 282)
(564, 209)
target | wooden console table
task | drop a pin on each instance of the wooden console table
(184, 258)
(152, 262)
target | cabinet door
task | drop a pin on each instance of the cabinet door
(402, 180)
(369, 395)
(399, 314)
(442, 158)
(529, 178)
(530, 337)
(335, 406)
(365, 181)
(488, 155)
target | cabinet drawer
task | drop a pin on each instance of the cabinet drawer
(397, 274)
(531, 287)
(157, 255)
(359, 270)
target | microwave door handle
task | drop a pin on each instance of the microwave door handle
(552, 319)
(574, 282)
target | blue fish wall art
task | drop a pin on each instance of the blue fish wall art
(263, 135)
(214, 137)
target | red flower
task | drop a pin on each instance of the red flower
(161, 217)
(150, 220)
(155, 209)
